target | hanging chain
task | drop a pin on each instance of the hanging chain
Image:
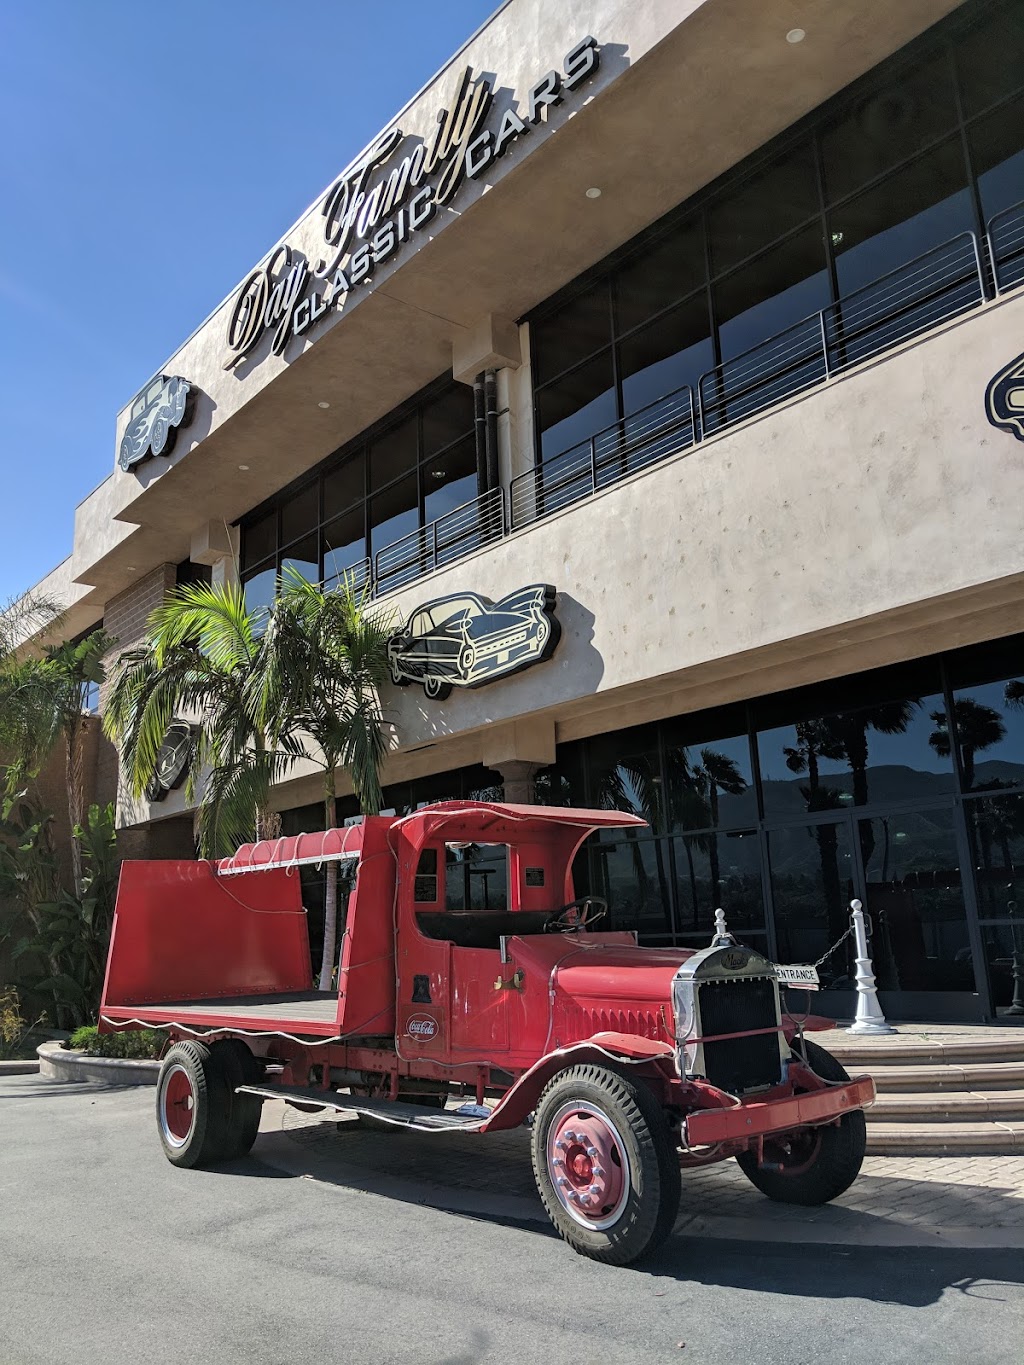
(838, 943)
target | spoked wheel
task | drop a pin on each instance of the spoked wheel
(192, 1106)
(811, 1165)
(605, 1164)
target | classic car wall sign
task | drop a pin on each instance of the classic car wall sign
(164, 405)
(172, 760)
(1004, 399)
(466, 640)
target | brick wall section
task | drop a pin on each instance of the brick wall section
(125, 617)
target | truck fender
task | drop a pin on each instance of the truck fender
(622, 1049)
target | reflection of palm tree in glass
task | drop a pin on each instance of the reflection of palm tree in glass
(851, 730)
(634, 785)
(717, 773)
(978, 727)
(816, 741)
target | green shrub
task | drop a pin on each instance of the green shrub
(128, 1043)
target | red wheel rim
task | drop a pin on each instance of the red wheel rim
(588, 1165)
(177, 1106)
(794, 1153)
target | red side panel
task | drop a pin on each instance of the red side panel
(182, 933)
(368, 949)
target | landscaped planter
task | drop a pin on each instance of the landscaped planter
(58, 1064)
(18, 1068)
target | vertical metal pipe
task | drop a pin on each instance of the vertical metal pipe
(480, 431)
(491, 429)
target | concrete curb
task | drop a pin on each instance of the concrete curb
(57, 1064)
(25, 1068)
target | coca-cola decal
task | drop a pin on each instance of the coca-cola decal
(421, 1027)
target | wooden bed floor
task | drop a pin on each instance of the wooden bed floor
(299, 1007)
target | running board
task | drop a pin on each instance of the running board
(389, 1111)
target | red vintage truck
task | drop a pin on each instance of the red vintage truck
(629, 1064)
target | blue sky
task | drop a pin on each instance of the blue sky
(150, 154)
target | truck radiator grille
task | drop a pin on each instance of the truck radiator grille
(740, 1064)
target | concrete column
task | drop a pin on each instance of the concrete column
(517, 775)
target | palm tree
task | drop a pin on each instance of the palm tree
(202, 655)
(44, 703)
(322, 662)
(978, 728)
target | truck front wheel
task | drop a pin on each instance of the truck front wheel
(193, 1105)
(605, 1164)
(812, 1165)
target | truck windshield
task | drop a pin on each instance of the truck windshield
(476, 877)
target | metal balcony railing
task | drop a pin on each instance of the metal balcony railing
(359, 577)
(440, 542)
(654, 432)
(1006, 247)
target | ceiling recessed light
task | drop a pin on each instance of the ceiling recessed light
(593, 193)
(796, 35)
(244, 468)
(323, 405)
(130, 568)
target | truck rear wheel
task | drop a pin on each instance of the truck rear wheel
(239, 1067)
(812, 1165)
(192, 1106)
(605, 1164)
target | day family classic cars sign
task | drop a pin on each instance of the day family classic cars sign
(391, 193)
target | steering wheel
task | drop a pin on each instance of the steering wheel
(577, 915)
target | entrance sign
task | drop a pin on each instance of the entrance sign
(1004, 399)
(466, 640)
(390, 194)
(806, 978)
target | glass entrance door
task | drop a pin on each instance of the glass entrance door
(906, 869)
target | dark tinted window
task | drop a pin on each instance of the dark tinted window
(990, 59)
(714, 870)
(888, 127)
(344, 544)
(394, 454)
(579, 328)
(997, 150)
(778, 289)
(344, 486)
(668, 353)
(768, 205)
(576, 406)
(449, 479)
(260, 540)
(447, 418)
(664, 271)
(995, 827)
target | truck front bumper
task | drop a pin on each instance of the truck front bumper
(758, 1118)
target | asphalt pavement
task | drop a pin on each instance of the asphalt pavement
(350, 1246)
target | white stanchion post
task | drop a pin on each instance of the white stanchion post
(869, 1017)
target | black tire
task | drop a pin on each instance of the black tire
(641, 1145)
(239, 1067)
(192, 1106)
(829, 1165)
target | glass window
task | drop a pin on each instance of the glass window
(883, 754)
(562, 783)
(344, 486)
(259, 541)
(635, 879)
(259, 590)
(394, 513)
(576, 406)
(303, 557)
(664, 270)
(662, 357)
(719, 870)
(710, 785)
(990, 59)
(1004, 959)
(578, 329)
(914, 210)
(763, 208)
(476, 878)
(625, 774)
(393, 454)
(812, 886)
(769, 295)
(915, 899)
(450, 479)
(995, 828)
(997, 151)
(344, 544)
(300, 514)
(988, 699)
(447, 418)
(888, 127)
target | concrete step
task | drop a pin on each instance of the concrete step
(888, 1052)
(949, 1106)
(940, 1139)
(924, 1079)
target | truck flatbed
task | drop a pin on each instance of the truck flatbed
(300, 1012)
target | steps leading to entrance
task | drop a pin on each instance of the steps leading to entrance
(941, 1091)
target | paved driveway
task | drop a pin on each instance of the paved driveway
(328, 1245)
